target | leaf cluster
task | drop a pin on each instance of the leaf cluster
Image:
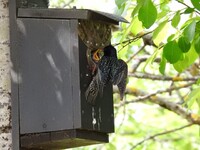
(176, 33)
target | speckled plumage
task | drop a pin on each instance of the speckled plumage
(110, 69)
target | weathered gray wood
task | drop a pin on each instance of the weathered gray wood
(75, 73)
(14, 54)
(45, 64)
(99, 117)
(70, 14)
(62, 139)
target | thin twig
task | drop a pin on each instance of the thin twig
(162, 133)
(135, 54)
(143, 98)
(187, 6)
(139, 60)
(161, 78)
(132, 40)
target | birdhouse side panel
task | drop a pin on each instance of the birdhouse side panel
(98, 117)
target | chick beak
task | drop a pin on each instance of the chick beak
(96, 55)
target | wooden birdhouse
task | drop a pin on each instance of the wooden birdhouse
(50, 74)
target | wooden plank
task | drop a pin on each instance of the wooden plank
(69, 14)
(62, 139)
(98, 117)
(45, 91)
(14, 54)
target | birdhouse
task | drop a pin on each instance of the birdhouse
(50, 74)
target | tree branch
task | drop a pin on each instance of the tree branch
(162, 78)
(127, 42)
(163, 102)
(162, 133)
(139, 60)
(186, 6)
(146, 96)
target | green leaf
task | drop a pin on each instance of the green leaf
(188, 10)
(147, 14)
(164, 10)
(120, 10)
(127, 31)
(189, 31)
(119, 3)
(137, 26)
(198, 81)
(198, 27)
(188, 59)
(159, 28)
(192, 97)
(160, 32)
(162, 14)
(136, 9)
(176, 19)
(189, 21)
(184, 44)
(171, 37)
(151, 59)
(197, 45)
(196, 4)
(162, 65)
(172, 52)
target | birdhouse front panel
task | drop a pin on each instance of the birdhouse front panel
(45, 88)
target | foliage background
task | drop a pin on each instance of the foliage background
(162, 80)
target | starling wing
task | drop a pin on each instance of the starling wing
(92, 90)
(119, 76)
(104, 69)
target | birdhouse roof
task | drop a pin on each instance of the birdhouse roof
(85, 14)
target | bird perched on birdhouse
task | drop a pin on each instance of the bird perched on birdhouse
(109, 69)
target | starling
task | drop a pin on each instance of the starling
(109, 69)
(114, 70)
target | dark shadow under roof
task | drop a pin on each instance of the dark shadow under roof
(69, 14)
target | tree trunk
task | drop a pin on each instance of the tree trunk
(5, 89)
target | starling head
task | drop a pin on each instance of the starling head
(110, 51)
